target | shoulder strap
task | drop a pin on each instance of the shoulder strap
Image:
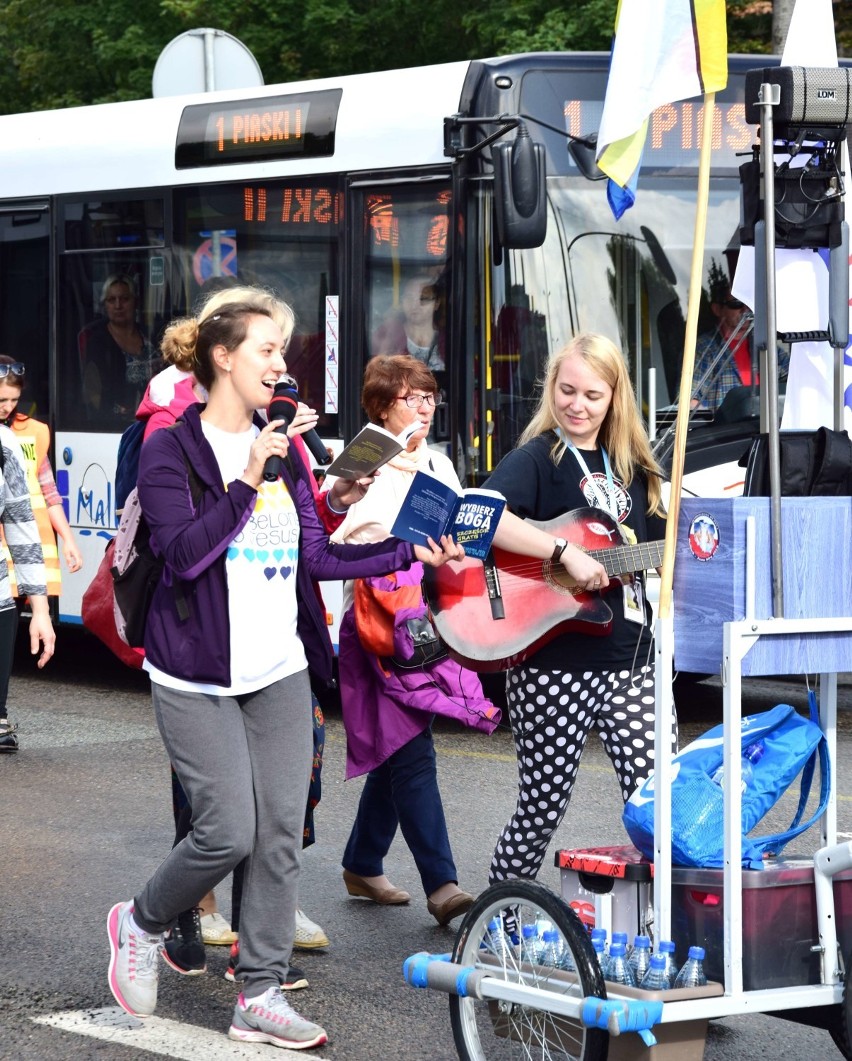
(196, 486)
(196, 489)
(775, 842)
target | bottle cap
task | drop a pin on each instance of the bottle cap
(616, 950)
(598, 933)
(697, 953)
(667, 946)
(619, 937)
(550, 935)
(642, 941)
(528, 931)
(658, 961)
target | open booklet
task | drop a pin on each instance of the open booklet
(372, 447)
(431, 508)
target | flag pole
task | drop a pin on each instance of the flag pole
(691, 332)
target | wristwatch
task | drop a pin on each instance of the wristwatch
(559, 547)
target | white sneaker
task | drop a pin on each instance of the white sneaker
(271, 1019)
(133, 971)
(309, 936)
(216, 932)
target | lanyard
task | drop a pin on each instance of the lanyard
(607, 501)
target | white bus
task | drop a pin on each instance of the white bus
(334, 193)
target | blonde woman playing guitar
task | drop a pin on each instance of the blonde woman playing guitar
(588, 661)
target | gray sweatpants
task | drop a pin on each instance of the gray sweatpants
(245, 764)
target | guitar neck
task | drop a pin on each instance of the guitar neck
(622, 559)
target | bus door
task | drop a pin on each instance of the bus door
(113, 298)
(399, 286)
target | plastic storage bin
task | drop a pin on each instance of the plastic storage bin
(779, 910)
(779, 921)
(609, 887)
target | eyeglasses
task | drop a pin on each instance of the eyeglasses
(415, 401)
(16, 368)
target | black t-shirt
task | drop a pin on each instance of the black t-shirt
(538, 489)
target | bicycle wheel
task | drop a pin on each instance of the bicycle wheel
(505, 1031)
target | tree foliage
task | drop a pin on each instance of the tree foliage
(61, 53)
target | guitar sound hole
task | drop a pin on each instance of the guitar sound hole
(558, 578)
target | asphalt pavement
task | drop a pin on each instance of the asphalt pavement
(87, 818)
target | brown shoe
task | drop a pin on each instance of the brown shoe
(356, 885)
(444, 912)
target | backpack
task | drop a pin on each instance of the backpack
(791, 744)
(127, 462)
(136, 569)
(813, 463)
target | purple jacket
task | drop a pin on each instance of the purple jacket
(385, 707)
(194, 545)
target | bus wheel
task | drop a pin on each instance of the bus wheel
(504, 1031)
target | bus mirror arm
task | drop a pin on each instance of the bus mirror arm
(453, 147)
(581, 148)
(520, 194)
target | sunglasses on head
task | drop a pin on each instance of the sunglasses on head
(16, 368)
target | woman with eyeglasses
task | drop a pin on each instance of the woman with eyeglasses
(387, 739)
(117, 358)
(24, 572)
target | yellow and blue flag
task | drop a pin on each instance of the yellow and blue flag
(663, 51)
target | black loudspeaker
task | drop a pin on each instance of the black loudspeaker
(810, 95)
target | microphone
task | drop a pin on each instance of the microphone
(284, 404)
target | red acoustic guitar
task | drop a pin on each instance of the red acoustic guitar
(493, 616)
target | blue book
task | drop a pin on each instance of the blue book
(432, 508)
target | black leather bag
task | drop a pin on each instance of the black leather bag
(813, 463)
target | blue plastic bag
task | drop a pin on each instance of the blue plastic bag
(792, 745)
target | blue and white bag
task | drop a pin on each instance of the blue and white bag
(792, 744)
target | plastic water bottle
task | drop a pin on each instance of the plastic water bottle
(640, 957)
(600, 934)
(601, 955)
(753, 754)
(656, 978)
(531, 945)
(551, 952)
(619, 971)
(667, 948)
(497, 942)
(692, 973)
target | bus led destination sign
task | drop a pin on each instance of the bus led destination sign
(258, 130)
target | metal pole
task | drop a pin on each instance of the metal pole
(769, 97)
(838, 317)
(209, 61)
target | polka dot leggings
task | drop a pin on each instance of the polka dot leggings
(552, 713)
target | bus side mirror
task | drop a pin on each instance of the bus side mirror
(520, 196)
